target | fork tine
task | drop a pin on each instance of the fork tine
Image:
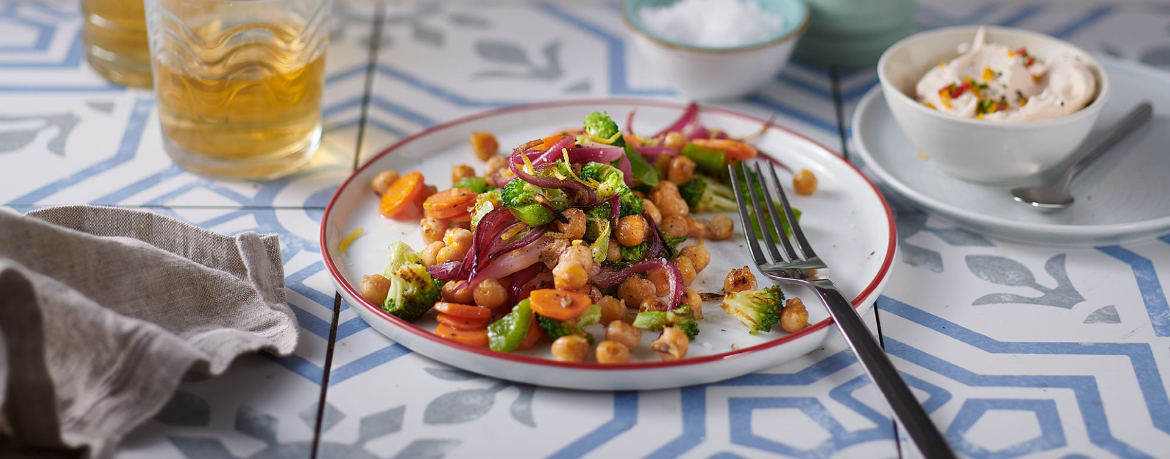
(775, 216)
(776, 257)
(753, 246)
(805, 248)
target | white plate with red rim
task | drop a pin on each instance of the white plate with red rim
(846, 220)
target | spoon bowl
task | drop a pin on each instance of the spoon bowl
(1055, 195)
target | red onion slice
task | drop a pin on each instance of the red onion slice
(685, 119)
(609, 278)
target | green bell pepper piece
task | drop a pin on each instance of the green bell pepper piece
(506, 334)
(476, 184)
(709, 159)
(532, 215)
(639, 168)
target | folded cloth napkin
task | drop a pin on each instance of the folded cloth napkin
(103, 310)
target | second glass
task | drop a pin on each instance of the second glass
(239, 83)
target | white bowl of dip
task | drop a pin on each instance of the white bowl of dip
(718, 72)
(983, 150)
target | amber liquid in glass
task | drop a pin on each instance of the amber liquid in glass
(244, 104)
(116, 44)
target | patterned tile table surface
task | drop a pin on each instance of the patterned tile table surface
(1015, 350)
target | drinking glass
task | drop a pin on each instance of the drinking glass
(239, 82)
(115, 41)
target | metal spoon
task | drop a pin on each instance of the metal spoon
(1055, 195)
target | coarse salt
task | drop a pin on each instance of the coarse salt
(712, 23)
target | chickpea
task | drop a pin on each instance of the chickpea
(739, 280)
(698, 254)
(662, 166)
(653, 304)
(458, 238)
(570, 348)
(461, 171)
(614, 252)
(794, 317)
(551, 254)
(484, 145)
(631, 230)
(720, 228)
(804, 182)
(639, 194)
(453, 294)
(687, 268)
(663, 188)
(579, 255)
(682, 170)
(672, 344)
(675, 226)
(650, 209)
(691, 298)
(570, 276)
(673, 205)
(432, 229)
(576, 226)
(490, 293)
(430, 254)
(611, 309)
(697, 227)
(374, 288)
(660, 280)
(446, 254)
(612, 352)
(675, 139)
(636, 289)
(622, 333)
(495, 164)
(594, 294)
(383, 180)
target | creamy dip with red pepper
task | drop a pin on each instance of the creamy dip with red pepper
(991, 81)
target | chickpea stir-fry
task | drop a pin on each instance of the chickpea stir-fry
(588, 229)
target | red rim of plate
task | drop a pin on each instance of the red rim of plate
(523, 359)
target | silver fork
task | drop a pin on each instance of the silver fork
(808, 270)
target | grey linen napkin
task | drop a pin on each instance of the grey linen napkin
(103, 310)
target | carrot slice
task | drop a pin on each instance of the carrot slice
(449, 199)
(464, 310)
(477, 338)
(401, 193)
(462, 323)
(559, 304)
(461, 218)
(533, 334)
(548, 142)
(734, 150)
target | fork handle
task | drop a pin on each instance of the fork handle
(882, 372)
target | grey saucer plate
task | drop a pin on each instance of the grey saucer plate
(1123, 196)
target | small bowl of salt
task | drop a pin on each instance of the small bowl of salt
(716, 49)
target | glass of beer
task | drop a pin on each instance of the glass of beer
(239, 82)
(115, 41)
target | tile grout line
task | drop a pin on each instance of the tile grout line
(375, 42)
(839, 109)
(371, 68)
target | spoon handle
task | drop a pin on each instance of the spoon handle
(1136, 117)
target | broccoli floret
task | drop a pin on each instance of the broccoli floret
(602, 127)
(610, 182)
(635, 253)
(557, 328)
(681, 318)
(412, 289)
(704, 195)
(758, 309)
(518, 193)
